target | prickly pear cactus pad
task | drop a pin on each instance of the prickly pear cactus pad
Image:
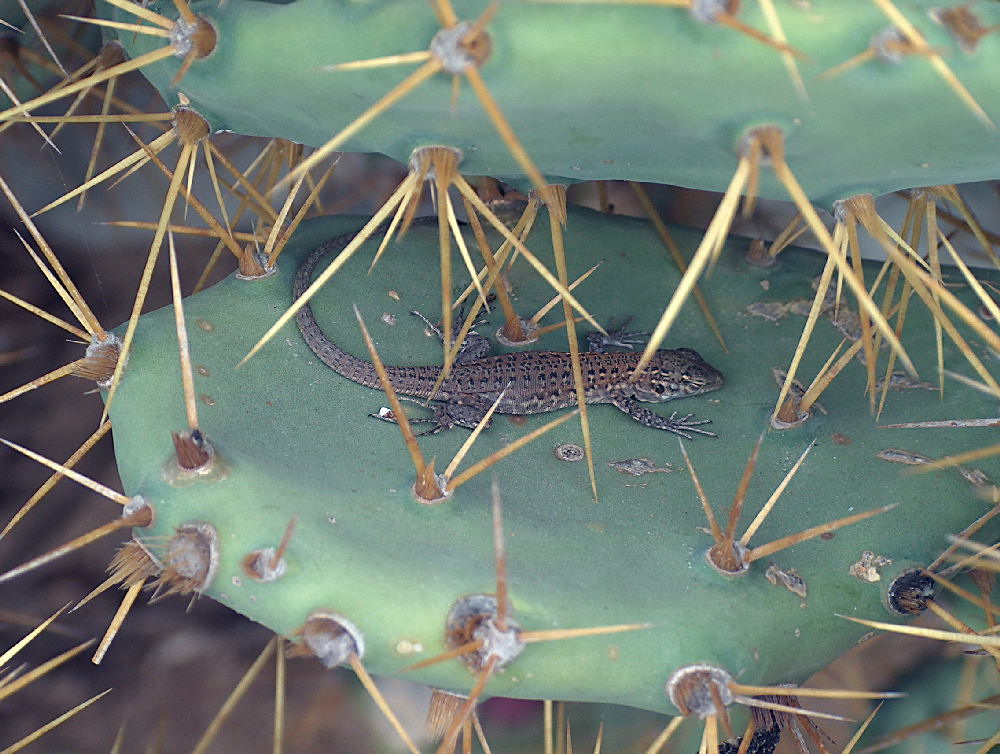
(294, 440)
(566, 77)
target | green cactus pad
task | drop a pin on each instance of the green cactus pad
(568, 77)
(296, 441)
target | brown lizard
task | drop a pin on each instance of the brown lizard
(532, 381)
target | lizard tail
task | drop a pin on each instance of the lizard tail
(329, 353)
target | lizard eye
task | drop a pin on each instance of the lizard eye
(657, 388)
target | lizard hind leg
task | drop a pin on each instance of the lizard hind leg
(446, 416)
(440, 420)
(466, 415)
(682, 426)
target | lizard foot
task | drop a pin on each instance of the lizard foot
(617, 337)
(473, 348)
(439, 420)
(682, 426)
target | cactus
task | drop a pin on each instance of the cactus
(278, 423)
(688, 89)
(274, 494)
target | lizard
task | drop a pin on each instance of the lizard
(532, 382)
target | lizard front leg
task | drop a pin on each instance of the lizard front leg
(599, 342)
(473, 348)
(679, 426)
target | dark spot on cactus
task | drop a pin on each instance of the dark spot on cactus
(909, 592)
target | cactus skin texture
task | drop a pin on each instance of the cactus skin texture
(567, 77)
(294, 441)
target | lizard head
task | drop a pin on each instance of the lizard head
(677, 373)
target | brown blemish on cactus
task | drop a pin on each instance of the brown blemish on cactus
(191, 559)
(329, 637)
(909, 592)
